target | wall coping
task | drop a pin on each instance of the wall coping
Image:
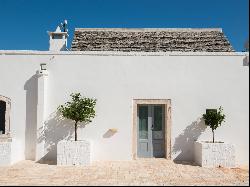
(120, 53)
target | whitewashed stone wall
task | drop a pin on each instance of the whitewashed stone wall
(193, 82)
(73, 153)
(214, 154)
(5, 153)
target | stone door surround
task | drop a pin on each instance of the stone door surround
(168, 123)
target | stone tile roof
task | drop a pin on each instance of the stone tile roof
(151, 40)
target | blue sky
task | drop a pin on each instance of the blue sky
(24, 23)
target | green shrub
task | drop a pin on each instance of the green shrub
(80, 109)
(214, 119)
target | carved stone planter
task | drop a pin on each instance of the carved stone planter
(73, 153)
(209, 154)
(5, 152)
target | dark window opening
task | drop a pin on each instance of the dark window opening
(57, 36)
(2, 117)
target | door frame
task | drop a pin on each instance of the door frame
(167, 119)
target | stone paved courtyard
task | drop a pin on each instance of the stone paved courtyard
(139, 172)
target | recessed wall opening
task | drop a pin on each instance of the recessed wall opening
(57, 36)
(2, 117)
(151, 128)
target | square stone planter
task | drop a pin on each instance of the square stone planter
(5, 152)
(73, 153)
(208, 154)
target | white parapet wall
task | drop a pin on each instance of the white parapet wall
(214, 154)
(5, 153)
(73, 153)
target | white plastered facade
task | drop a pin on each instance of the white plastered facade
(192, 81)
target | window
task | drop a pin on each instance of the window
(4, 116)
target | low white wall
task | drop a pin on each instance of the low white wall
(193, 82)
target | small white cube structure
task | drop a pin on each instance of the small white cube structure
(73, 153)
(214, 154)
(5, 153)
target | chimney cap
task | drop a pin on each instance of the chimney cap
(58, 31)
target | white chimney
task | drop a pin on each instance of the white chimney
(58, 39)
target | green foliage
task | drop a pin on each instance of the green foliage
(80, 109)
(214, 119)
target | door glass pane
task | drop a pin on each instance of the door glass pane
(143, 122)
(158, 117)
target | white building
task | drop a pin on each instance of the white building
(166, 77)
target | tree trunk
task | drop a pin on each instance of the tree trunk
(213, 135)
(76, 131)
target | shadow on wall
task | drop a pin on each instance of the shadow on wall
(109, 133)
(184, 142)
(56, 128)
(246, 61)
(31, 118)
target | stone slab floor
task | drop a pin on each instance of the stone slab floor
(138, 172)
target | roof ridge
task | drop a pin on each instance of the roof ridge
(151, 29)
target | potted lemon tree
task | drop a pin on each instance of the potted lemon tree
(81, 110)
(214, 153)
